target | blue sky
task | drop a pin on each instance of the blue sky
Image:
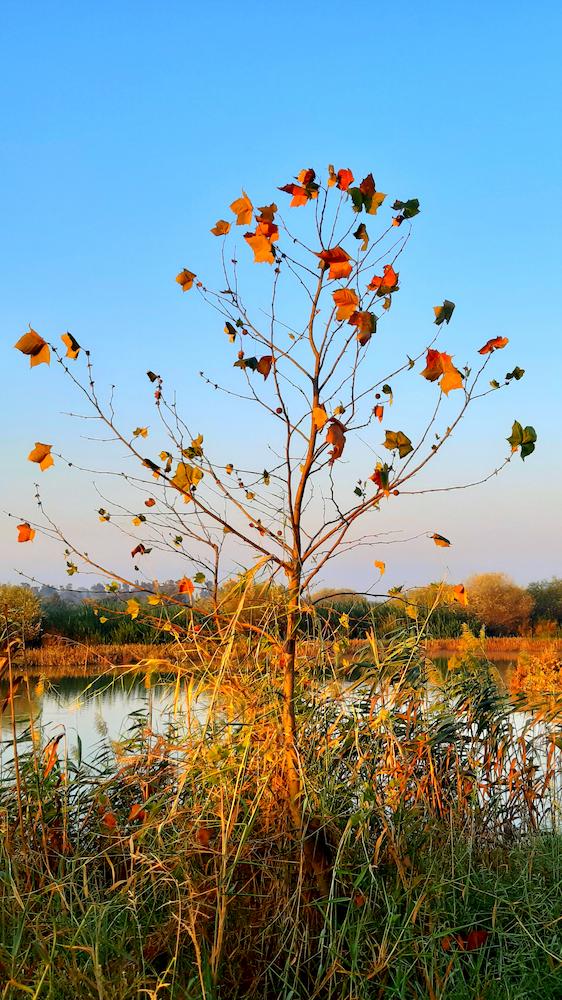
(127, 130)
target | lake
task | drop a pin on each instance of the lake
(92, 710)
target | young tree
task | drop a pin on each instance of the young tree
(308, 362)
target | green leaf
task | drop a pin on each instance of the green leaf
(443, 313)
(251, 363)
(398, 441)
(517, 373)
(523, 438)
(199, 578)
(408, 208)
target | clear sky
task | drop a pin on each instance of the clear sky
(127, 130)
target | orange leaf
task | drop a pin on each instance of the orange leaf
(185, 586)
(319, 416)
(71, 344)
(378, 411)
(346, 301)
(300, 194)
(385, 283)
(50, 756)
(41, 454)
(35, 347)
(336, 437)
(440, 365)
(25, 532)
(264, 365)
(267, 212)
(150, 502)
(441, 540)
(381, 566)
(337, 259)
(458, 593)
(221, 228)
(109, 820)
(495, 344)
(242, 209)
(203, 836)
(185, 279)
(261, 245)
(137, 813)
(366, 323)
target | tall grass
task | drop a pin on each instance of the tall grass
(167, 866)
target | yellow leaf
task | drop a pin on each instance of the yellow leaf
(229, 469)
(344, 621)
(140, 432)
(41, 454)
(319, 417)
(35, 347)
(377, 200)
(133, 608)
(242, 208)
(186, 476)
(154, 599)
(72, 345)
(381, 566)
(412, 611)
(103, 619)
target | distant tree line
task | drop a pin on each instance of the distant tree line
(95, 615)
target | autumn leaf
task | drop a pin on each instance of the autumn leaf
(386, 283)
(378, 411)
(41, 454)
(264, 365)
(71, 344)
(495, 344)
(133, 608)
(366, 323)
(35, 347)
(150, 502)
(230, 330)
(140, 550)
(523, 438)
(137, 813)
(221, 228)
(440, 540)
(381, 477)
(362, 234)
(338, 261)
(185, 279)
(517, 373)
(267, 213)
(263, 251)
(243, 363)
(319, 416)
(439, 365)
(335, 436)
(185, 586)
(342, 179)
(366, 196)
(242, 209)
(398, 441)
(140, 432)
(50, 756)
(459, 594)
(381, 566)
(346, 301)
(443, 313)
(186, 476)
(109, 820)
(25, 532)
(302, 192)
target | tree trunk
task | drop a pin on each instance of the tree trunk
(316, 850)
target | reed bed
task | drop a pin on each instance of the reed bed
(167, 866)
